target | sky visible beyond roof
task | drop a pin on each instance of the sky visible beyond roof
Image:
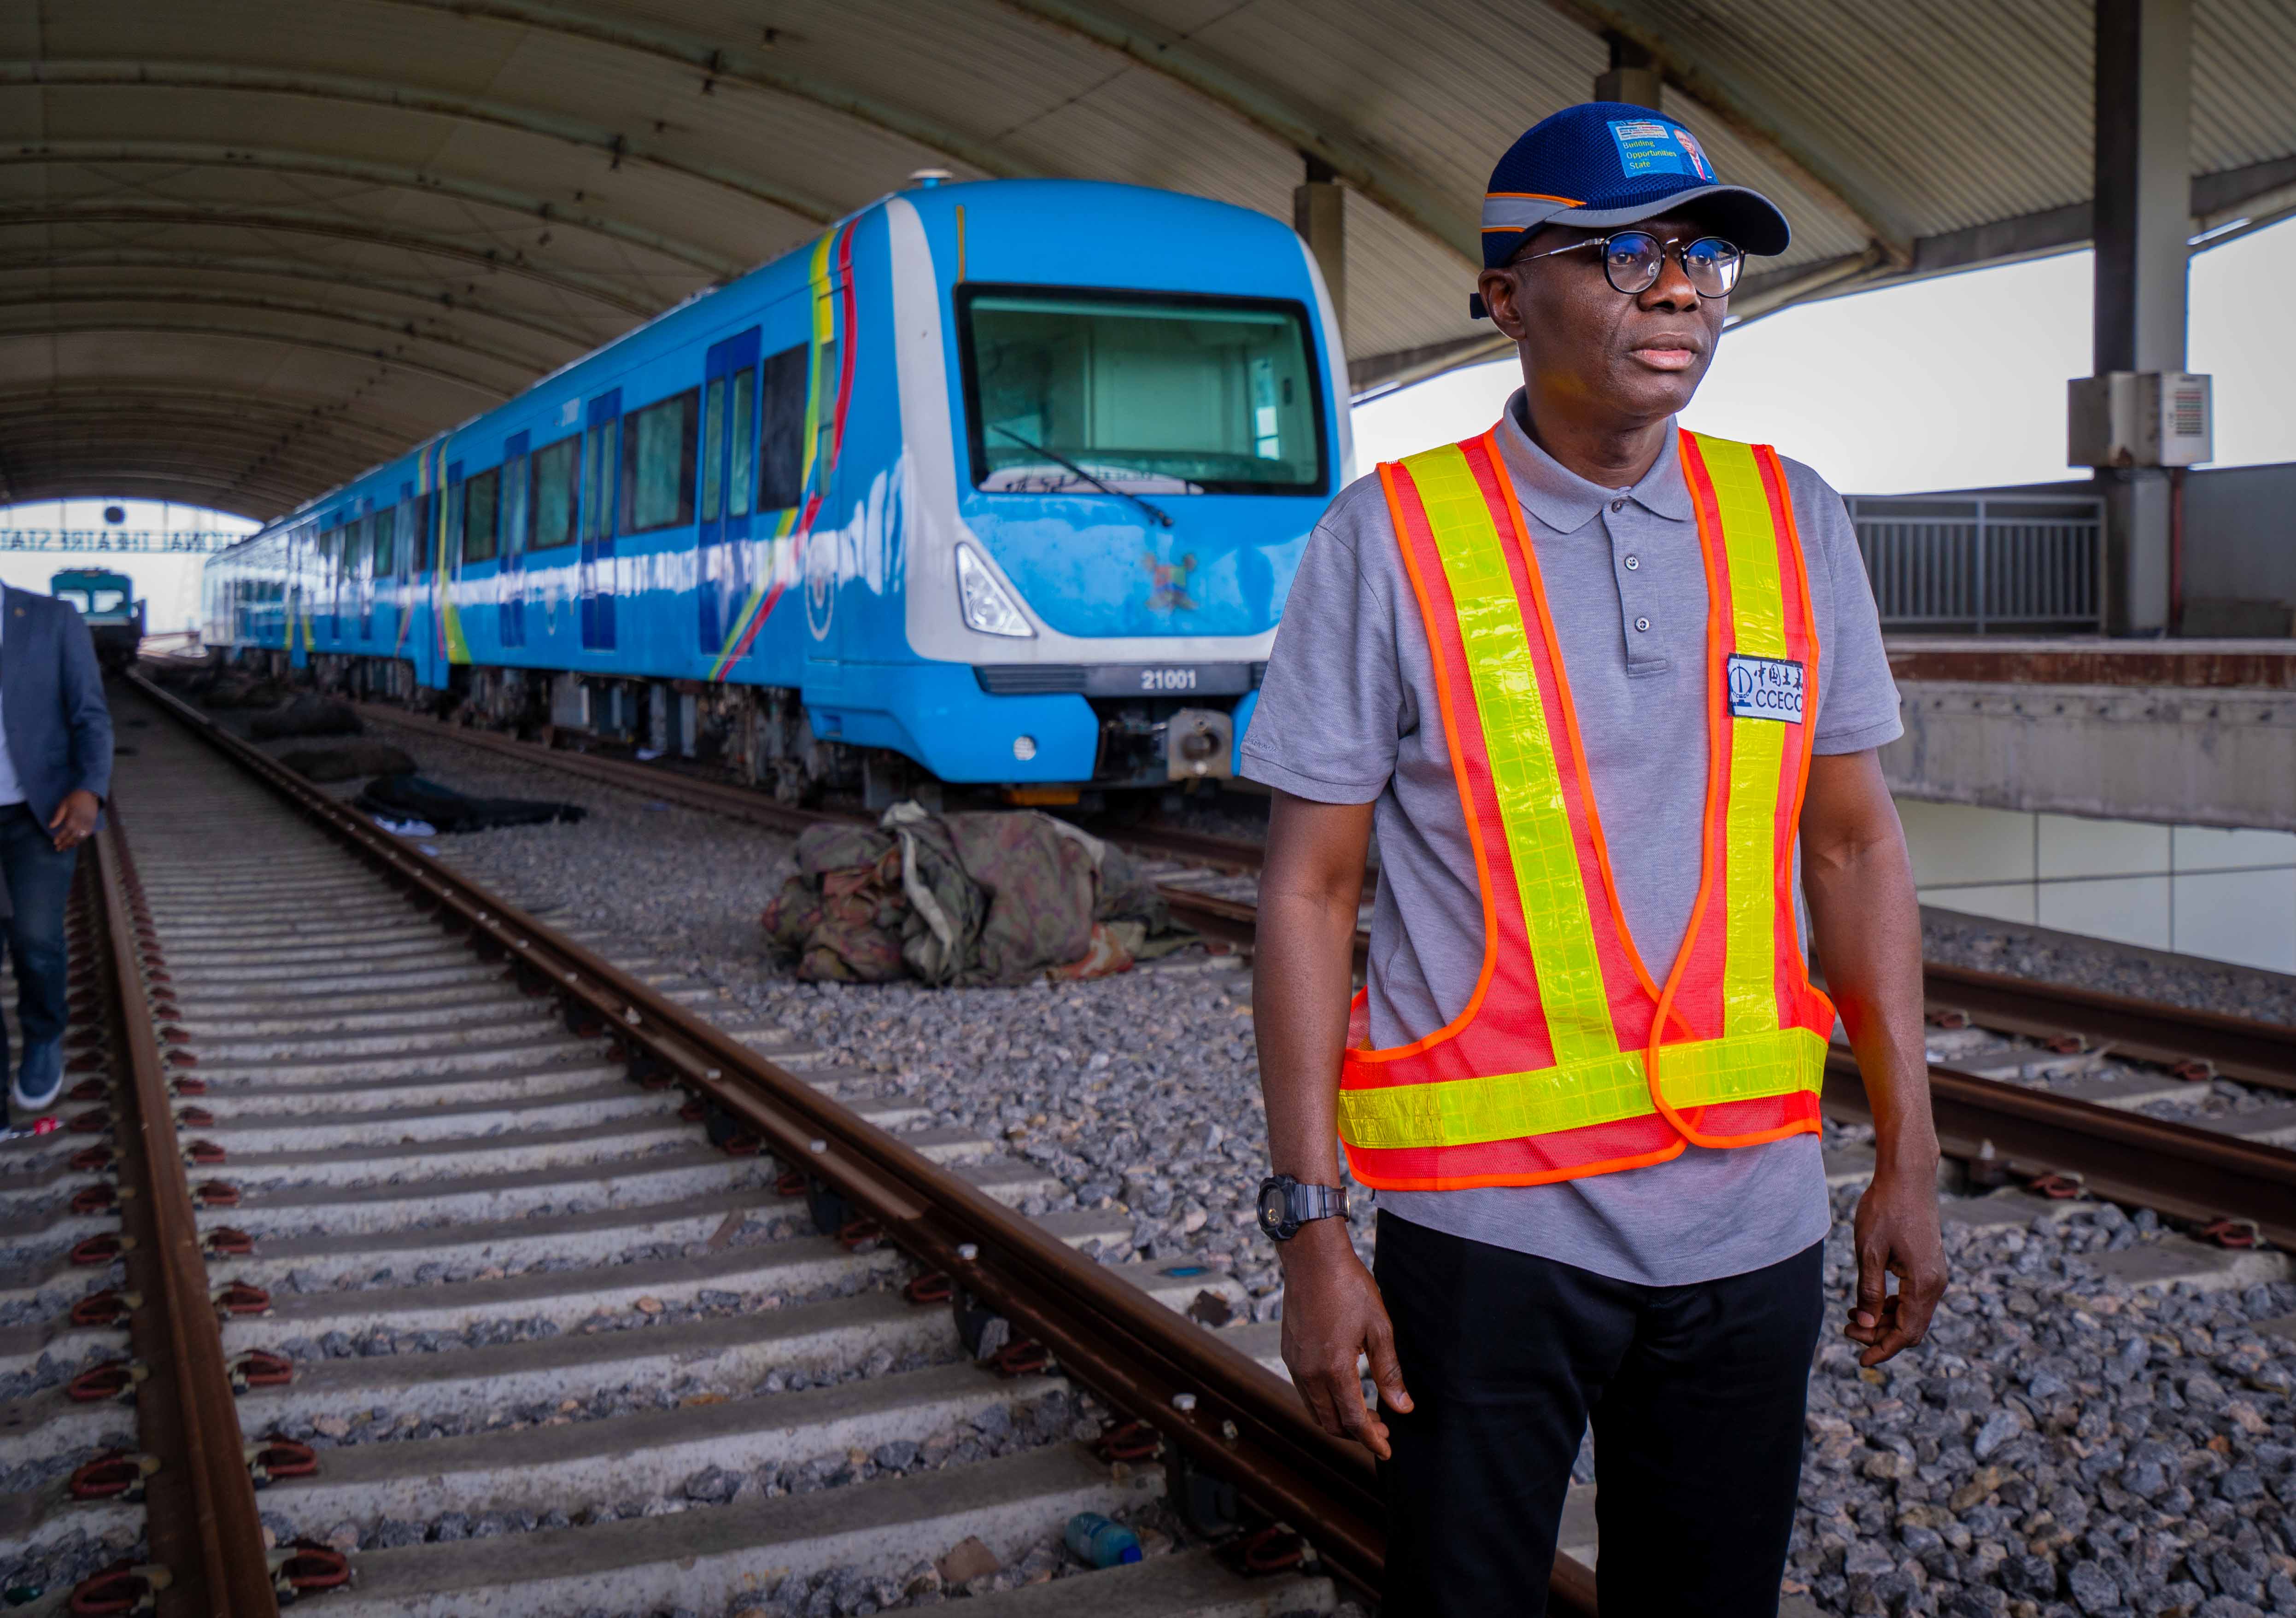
(1951, 383)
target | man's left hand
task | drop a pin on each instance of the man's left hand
(1897, 1232)
(74, 821)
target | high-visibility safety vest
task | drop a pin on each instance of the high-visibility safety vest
(1568, 1060)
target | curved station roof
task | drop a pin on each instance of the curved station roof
(249, 247)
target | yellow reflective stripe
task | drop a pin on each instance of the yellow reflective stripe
(1749, 538)
(1521, 748)
(1513, 1106)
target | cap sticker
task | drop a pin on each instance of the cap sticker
(1648, 146)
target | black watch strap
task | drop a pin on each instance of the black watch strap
(1285, 1204)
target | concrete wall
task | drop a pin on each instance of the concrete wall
(2181, 756)
(2230, 896)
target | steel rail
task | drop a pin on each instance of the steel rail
(2192, 1174)
(200, 1505)
(2241, 1048)
(1224, 1412)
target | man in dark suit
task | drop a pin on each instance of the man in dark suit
(55, 772)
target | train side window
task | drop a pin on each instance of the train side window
(355, 548)
(742, 473)
(481, 498)
(658, 464)
(386, 524)
(423, 550)
(556, 478)
(598, 483)
(713, 444)
(780, 454)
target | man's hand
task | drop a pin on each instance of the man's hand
(1333, 1312)
(74, 821)
(1897, 1232)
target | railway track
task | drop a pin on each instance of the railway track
(2031, 1080)
(387, 1228)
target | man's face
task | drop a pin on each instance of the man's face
(1586, 345)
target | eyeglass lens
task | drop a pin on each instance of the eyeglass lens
(1634, 259)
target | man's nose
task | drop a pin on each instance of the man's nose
(1672, 290)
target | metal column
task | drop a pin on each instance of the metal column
(1319, 213)
(2143, 221)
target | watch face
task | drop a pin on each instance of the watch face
(1272, 1210)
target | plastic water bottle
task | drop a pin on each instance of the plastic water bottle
(1097, 1542)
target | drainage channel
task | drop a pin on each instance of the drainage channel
(512, 1333)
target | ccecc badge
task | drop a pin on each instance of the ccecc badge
(1766, 688)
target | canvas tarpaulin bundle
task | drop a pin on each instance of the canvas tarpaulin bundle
(987, 898)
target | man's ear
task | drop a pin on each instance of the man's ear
(1496, 290)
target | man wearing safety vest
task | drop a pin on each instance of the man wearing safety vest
(1608, 693)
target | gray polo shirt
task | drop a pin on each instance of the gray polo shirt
(1348, 715)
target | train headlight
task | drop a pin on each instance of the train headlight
(988, 608)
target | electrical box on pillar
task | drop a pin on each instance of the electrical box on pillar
(2132, 419)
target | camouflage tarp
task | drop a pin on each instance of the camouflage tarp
(991, 897)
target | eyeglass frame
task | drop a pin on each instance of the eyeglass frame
(1673, 244)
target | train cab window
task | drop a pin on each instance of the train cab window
(658, 464)
(1148, 394)
(555, 482)
(781, 449)
(481, 504)
(741, 472)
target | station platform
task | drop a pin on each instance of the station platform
(2174, 732)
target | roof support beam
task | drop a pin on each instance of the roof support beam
(141, 392)
(713, 62)
(97, 328)
(310, 222)
(98, 475)
(1410, 196)
(1807, 163)
(179, 491)
(186, 264)
(398, 176)
(404, 331)
(221, 458)
(424, 99)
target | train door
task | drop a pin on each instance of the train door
(601, 505)
(728, 482)
(510, 583)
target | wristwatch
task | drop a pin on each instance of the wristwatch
(1285, 1204)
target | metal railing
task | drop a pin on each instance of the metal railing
(1983, 562)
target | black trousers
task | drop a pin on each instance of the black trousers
(1697, 1394)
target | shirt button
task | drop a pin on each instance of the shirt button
(1641, 623)
(1618, 505)
(1633, 562)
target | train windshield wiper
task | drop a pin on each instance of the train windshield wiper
(1162, 516)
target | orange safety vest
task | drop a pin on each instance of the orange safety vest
(1568, 1060)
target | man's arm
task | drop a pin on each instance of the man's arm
(1301, 981)
(79, 694)
(1869, 932)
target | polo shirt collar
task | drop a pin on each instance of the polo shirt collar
(1565, 501)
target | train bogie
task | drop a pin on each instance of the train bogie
(1001, 482)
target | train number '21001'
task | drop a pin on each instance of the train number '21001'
(1168, 678)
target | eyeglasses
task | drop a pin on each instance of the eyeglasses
(1633, 260)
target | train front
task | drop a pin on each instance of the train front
(1124, 412)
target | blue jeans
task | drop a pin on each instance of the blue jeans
(39, 880)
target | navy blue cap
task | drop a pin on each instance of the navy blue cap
(1602, 164)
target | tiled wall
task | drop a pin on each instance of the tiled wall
(2201, 891)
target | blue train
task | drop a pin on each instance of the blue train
(997, 483)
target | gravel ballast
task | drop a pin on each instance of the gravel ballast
(2064, 1445)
